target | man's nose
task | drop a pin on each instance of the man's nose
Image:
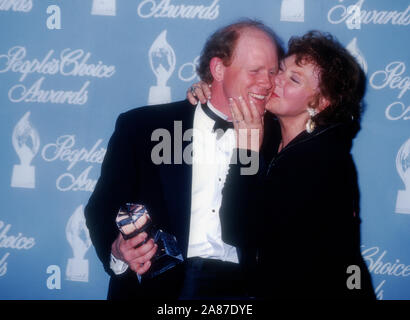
(265, 80)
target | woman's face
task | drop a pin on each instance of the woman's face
(295, 87)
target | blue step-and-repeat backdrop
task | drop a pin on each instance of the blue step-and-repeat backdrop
(68, 68)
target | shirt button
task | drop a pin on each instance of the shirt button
(213, 210)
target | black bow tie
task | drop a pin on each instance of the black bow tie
(219, 122)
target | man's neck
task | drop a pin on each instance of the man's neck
(222, 105)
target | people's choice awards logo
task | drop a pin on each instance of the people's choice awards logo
(393, 77)
(26, 143)
(292, 10)
(357, 54)
(104, 7)
(355, 16)
(403, 169)
(16, 5)
(79, 239)
(69, 63)
(12, 242)
(162, 61)
(187, 72)
(63, 149)
(164, 9)
(380, 264)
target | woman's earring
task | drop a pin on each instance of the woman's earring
(310, 124)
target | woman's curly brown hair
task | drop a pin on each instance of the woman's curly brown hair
(341, 80)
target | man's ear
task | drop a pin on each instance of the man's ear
(217, 68)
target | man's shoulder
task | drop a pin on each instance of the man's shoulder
(173, 110)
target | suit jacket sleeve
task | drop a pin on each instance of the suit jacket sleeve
(113, 189)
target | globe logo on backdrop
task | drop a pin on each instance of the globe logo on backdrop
(403, 169)
(104, 7)
(26, 143)
(292, 10)
(162, 61)
(78, 237)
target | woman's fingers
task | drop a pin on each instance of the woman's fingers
(247, 116)
(191, 96)
(199, 91)
(206, 89)
(257, 118)
(248, 111)
(247, 123)
(237, 116)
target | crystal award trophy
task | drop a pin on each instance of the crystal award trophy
(133, 219)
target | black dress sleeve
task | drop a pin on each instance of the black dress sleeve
(241, 202)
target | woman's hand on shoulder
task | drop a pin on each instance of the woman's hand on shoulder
(200, 91)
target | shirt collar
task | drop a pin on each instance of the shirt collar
(216, 111)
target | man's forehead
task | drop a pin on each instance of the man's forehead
(250, 34)
(254, 43)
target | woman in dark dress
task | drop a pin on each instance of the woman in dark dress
(297, 221)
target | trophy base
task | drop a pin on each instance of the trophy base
(403, 202)
(159, 95)
(168, 255)
(77, 270)
(23, 176)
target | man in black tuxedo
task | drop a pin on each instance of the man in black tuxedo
(149, 161)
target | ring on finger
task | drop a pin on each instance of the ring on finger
(192, 89)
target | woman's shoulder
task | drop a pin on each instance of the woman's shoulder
(332, 139)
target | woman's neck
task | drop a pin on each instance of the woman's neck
(290, 128)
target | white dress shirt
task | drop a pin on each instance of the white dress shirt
(210, 164)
